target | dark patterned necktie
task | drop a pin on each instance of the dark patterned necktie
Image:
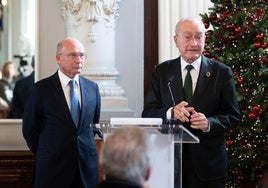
(75, 108)
(188, 85)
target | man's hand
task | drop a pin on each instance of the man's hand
(199, 121)
(182, 112)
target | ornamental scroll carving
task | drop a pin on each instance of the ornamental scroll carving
(77, 12)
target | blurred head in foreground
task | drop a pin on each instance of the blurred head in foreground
(124, 156)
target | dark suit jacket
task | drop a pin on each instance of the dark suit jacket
(53, 137)
(20, 95)
(214, 96)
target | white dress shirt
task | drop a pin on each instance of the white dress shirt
(194, 72)
(64, 80)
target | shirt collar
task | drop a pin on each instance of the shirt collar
(196, 64)
(65, 79)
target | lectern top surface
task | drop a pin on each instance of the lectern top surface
(176, 133)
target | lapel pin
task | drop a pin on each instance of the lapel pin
(208, 74)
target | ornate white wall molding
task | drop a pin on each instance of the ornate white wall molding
(93, 23)
(78, 12)
(106, 79)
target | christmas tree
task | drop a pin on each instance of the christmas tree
(237, 36)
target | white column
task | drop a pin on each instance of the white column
(93, 23)
(170, 12)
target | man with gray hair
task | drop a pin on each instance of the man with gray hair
(125, 159)
(198, 93)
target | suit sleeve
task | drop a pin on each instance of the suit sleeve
(230, 111)
(31, 124)
(98, 108)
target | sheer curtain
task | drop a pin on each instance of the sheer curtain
(169, 12)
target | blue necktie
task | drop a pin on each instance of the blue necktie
(188, 90)
(75, 109)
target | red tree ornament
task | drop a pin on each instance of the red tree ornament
(256, 108)
(264, 46)
(252, 116)
(206, 24)
(257, 45)
(259, 37)
(240, 80)
(237, 30)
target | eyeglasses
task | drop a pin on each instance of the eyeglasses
(189, 37)
(74, 55)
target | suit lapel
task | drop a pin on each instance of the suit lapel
(84, 99)
(57, 93)
(176, 83)
(204, 78)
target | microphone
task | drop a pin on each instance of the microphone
(169, 88)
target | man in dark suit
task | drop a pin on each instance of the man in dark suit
(65, 151)
(20, 95)
(208, 113)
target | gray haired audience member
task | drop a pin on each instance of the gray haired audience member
(125, 160)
